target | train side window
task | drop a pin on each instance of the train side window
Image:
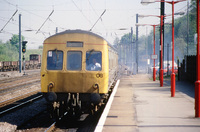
(93, 60)
(54, 60)
(33, 57)
(74, 60)
(36, 57)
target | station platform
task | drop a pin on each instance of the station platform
(141, 105)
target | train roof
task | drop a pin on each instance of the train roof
(82, 32)
(78, 31)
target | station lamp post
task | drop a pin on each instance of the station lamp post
(173, 79)
(161, 46)
(172, 74)
(154, 52)
(154, 46)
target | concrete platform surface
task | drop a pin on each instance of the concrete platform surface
(141, 105)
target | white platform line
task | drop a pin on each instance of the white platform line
(102, 120)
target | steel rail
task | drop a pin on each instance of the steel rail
(19, 105)
(19, 84)
(9, 80)
(53, 126)
(14, 99)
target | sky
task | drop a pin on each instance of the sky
(40, 18)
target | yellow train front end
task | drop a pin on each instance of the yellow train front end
(75, 69)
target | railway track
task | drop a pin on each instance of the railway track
(41, 121)
(17, 95)
(8, 81)
(20, 85)
(20, 103)
(86, 123)
(16, 116)
(12, 79)
(51, 128)
(12, 100)
(13, 89)
(53, 125)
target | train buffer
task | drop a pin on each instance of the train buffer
(141, 105)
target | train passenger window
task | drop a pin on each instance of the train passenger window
(54, 60)
(93, 60)
(74, 60)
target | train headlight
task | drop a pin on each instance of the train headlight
(95, 86)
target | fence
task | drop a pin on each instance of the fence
(187, 70)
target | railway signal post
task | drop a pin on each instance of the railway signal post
(20, 61)
(23, 51)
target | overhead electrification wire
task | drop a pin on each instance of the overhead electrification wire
(92, 8)
(96, 13)
(81, 12)
(183, 8)
(8, 32)
(8, 21)
(9, 3)
(22, 8)
(29, 29)
(45, 21)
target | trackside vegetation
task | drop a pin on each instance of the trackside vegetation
(9, 51)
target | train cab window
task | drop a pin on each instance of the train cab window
(93, 60)
(54, 60)
(74, 60)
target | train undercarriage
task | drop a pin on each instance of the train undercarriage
(75, 104)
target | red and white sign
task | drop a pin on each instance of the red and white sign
(154, 57)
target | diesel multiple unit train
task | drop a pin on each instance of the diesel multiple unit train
(78, 68)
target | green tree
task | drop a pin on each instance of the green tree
(126, 38)
(40, 47)
(180, 26)
(8, 52)
(180, 46)
(116, 41)
(125, 48)
(15, 40)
